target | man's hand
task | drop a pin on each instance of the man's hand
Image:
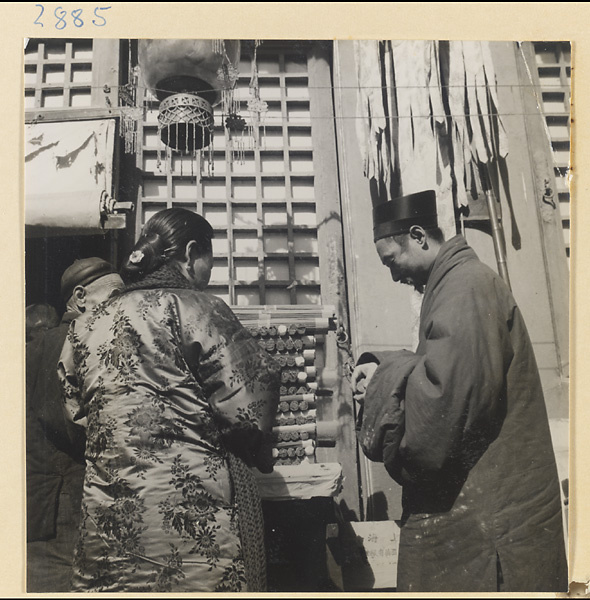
(361, 377)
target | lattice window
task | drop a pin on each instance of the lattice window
(277, 225)
(58, 74)
(263, 208)
(69, 79)
(554, 68)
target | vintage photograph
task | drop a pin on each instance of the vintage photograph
(297, 315)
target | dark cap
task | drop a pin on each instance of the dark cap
(398, 215)
(83, 272)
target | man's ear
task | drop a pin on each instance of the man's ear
(79, 295)
(417, 233)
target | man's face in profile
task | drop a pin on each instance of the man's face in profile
(401, 256)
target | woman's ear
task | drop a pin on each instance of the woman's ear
(190, 255)
(190, 252)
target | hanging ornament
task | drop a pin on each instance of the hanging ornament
(183, 74)
(257, 108)
(185, 122)
(130, 113)
(130, 117)
(228, 74)
(236, 127)
(218, 46)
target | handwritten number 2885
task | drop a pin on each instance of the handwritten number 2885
(61, 17)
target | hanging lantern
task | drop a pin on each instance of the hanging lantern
(189, 78)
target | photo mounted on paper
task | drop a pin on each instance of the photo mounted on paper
(286, 148)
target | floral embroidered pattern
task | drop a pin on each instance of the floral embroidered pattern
(122, 352)
(156, 374)
(193, 506)
(165, 349)
(233, 577)
(192, 513)
(213, 463)
(99, 437)
(121, 522)
(151, 432)
(99, 432)
(150, 300)
(98, 311)
(165, 578)
(79, 357)
(209, 432)
(149, 422)
(255, 369)
(103, 577)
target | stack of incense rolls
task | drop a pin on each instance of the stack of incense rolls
(290, 335)
(316, 319)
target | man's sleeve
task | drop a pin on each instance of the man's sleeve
(381, 423)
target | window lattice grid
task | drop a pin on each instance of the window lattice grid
(58, 73)
(262, 207)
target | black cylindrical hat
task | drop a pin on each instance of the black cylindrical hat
(398, 215)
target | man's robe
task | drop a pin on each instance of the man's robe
(54, 467)
(461, 424)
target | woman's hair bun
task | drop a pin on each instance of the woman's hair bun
(147, 255)
(165, 237)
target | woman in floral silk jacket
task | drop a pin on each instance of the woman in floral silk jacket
(178, 400)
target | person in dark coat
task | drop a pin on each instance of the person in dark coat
(54, 446)
(461, 422)
(39, 318)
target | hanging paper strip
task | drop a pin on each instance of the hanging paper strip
(371, 121)
(443, 118)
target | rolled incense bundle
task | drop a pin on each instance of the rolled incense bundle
(296, 418)
(282, 319)
(286, 433)
(292, 452)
